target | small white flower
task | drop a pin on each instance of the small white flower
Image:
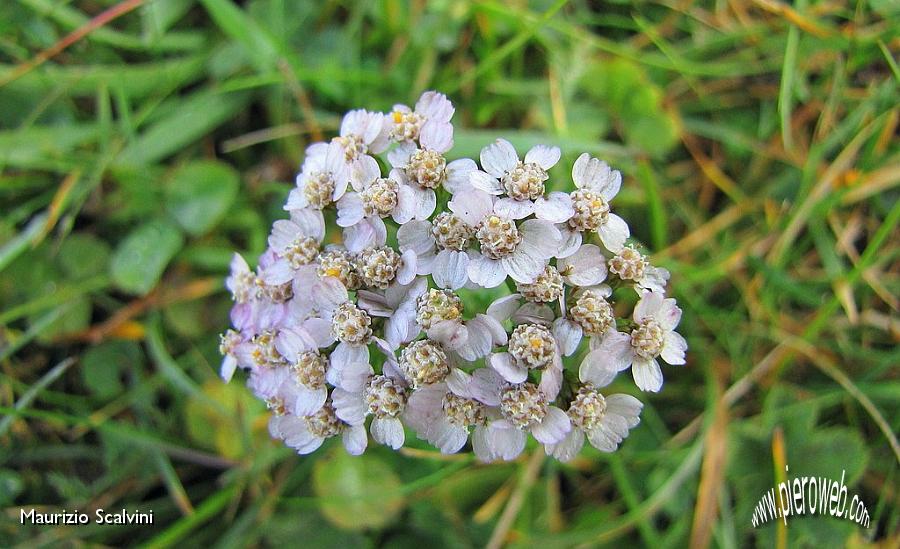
(306, 434)
(523, 182)
(597, 184)
(362, 133)
(323, 178)
(439, 313)
(631, 266)
(519, 251)
(440, 248)
(397, 304)
(604, 420)
(432, 109)
(654, 337)
(296, 243)
(384, 396)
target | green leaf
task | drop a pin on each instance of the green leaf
(200, 193)
(357, 492)
(83, 255)
(142, 257)
(102, 366)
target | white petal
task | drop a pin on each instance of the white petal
(570, 241)
(416, 235)
(504, 441)
(451, 333)
(503, 308)
(492, 326)
(435, 106)
(359, 237)
(542, 155)
(583, 171)
(296, 199)
(399, 156)
(329, 293)
(674, 348)
(293, 342)
(505, 366)
(485, 386)
(471, 206)
(424, 201)
(350, 210)
(553, 428)
(309, 401)
(450, 269)
(448, 438)
(613, 233)
(349, 407)
(669, 314)
(319, 330)
(486, 272)
(568, 335)
(407, 271)
(654, 279)
(648, 306)
(602, 440)
(479, 339)
(597, 368)
(485, 182)
(277, 273)
(556, 207)
(625, 406)
(647, 375)
(522, 266)
(436, 136)
(534, 313)
(552, 378)
(540, 238)
(229, 365)
(586, 267)
(365, 170)
(458, 173)
(514, 209)
(568, 447)
(388, 431)
(499, 157)
(355, 440)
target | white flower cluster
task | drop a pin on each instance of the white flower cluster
(332, 334)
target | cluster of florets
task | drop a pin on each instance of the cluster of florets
(356, 337)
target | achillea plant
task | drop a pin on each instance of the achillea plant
(338, 336)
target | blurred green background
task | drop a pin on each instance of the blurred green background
(142, 142)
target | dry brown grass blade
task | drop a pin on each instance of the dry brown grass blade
(712, 473)
(511, 511)
(779, 458)
(100, 20)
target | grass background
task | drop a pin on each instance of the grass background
(142, 142)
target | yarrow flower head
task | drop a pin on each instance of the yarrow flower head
(368, 313)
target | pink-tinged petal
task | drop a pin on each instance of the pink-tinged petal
(570, 241)
(647, 374)
(555, 208)
(435, 106)
(503, 308)
(458, 173)
(602, 440)
(648, 306)
(319, 330)
(451, 333)
(586, 267)
(364, 171)
(406, 205)
(514, 209)
(553, 428)
(499, 157)
(540, 238)
(504, 442)
(407, 272)
(567, 448)
(534, 313)
(293, 342)
(598, 369)
(349, 406)
(301, 440)
(483, 181)
(399, 156)
(449, 269)
(472, 206)
(328, 293)
(309, 401)
(493, 327)
(655, 279)
(568, 335)
(552, 378)
(625, 406)
(424, 408)
(354, 376)
(401, 327)
(284, 231)
(614, 233)
(669, 314)
(674, 348)
(229, 365)
(277, 273)
(448, 438)
(359, 237)
(344, 354)
(311, 222)
(436, 136)
(424, 201)
(459, 383)
(296, 199)
(350, 210)
(485, 386)
(480, 445)
(355, 440)
(616, 425)
(416, 236)
(504, 365)
(486, 272)
(523, 266)
(542, 155)
(373, 303)
(388, 431)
